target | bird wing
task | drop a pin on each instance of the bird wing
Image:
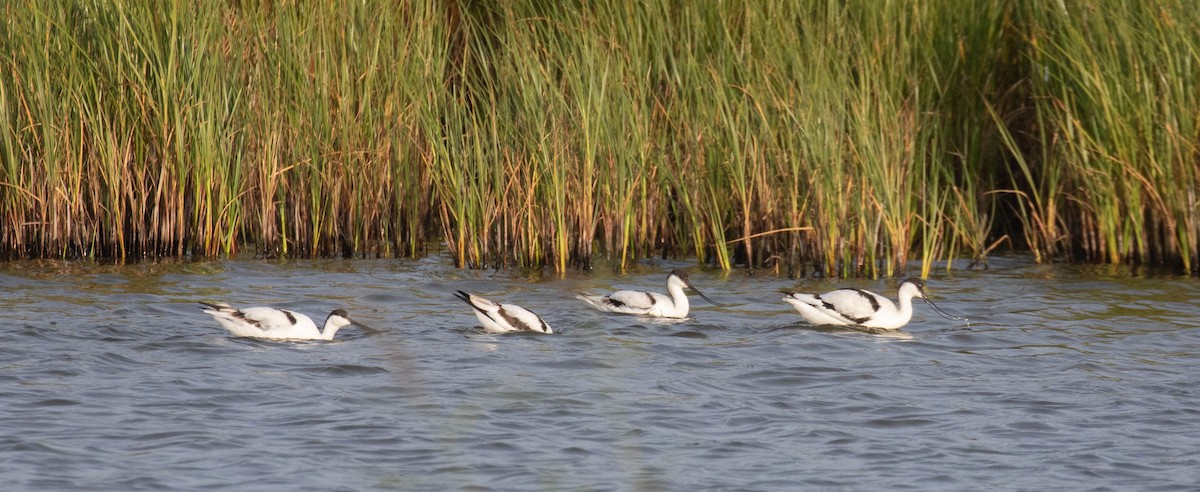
(855, 305)
(270, 318)
(632, 299)
(522, 319)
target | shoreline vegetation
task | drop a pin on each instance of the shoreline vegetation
(845, 138)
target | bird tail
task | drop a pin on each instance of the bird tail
(219, 307)
(799, 298)
(472, 300)
(594, 300)
(465, 297)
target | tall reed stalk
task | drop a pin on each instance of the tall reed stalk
(1119, 87)
(840, 138)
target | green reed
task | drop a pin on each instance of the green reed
(849, 138)
(1118, 84)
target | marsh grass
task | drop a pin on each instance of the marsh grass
(1119, 94)
(827, 137)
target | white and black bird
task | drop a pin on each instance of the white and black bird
(862, 308)
(266, 322)
(504, 318)
(649, 303)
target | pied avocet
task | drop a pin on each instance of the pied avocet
(862, 308)
(649, 303)
(503, 318)
(266, 322)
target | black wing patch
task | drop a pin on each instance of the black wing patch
(870, 298)
(513, 321)
(545, 327)
(242, 316)
(858, 321)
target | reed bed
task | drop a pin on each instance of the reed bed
(841, 138)
(1117, 94)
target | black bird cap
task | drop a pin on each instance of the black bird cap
(920, 286)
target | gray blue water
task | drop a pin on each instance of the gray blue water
(1068, 378)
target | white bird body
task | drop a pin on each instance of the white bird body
(860, 307)
(272, 323)
(648, 303)
(504, 318)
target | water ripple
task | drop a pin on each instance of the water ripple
(1064, 377)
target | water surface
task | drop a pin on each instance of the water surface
(1067, 378)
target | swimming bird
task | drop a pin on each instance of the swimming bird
(862, 308)
(504, 318)
(266, 322)
(649, 303)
